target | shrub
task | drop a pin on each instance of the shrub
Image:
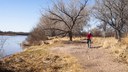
(36, 36)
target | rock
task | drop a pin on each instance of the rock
(48, 42)
(127, 60)
(50, 38)
(19, 60)
(25, 43)
(42, 43)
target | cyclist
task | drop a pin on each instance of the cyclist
(89, 36)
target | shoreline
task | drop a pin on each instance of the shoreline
(5, 56)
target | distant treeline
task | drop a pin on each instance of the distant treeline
(13, 33)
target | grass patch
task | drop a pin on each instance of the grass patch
(39, 59)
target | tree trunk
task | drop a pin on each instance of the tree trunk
(118, 35)
(104, 34)
(53, 33)
(70, 35)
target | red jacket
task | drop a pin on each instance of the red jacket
(89, 36)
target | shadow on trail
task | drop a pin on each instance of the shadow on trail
(80, 42)
(96, 47)
(74, 42)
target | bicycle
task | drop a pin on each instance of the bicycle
(89, 43)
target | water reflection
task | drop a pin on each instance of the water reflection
(10, 44)
(1, 53)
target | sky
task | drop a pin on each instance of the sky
(22, 15)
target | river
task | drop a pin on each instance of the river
(11, 45)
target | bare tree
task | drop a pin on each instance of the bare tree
(36, 35)
(106, 30)
(2, 43)
(68, 17)
(50, 28)
(96, 32)
(113, 13)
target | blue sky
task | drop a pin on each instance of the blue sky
(21, 15)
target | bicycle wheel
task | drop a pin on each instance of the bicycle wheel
(89, 44)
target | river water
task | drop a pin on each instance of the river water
(10, 45)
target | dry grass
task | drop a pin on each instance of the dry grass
(120, 49)
(39, 59)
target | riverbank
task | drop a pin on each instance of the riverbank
(105, 55)
(40, 59)
(10, 33)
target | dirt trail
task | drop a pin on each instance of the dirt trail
(96, 59)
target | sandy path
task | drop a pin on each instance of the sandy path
(93, 59)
